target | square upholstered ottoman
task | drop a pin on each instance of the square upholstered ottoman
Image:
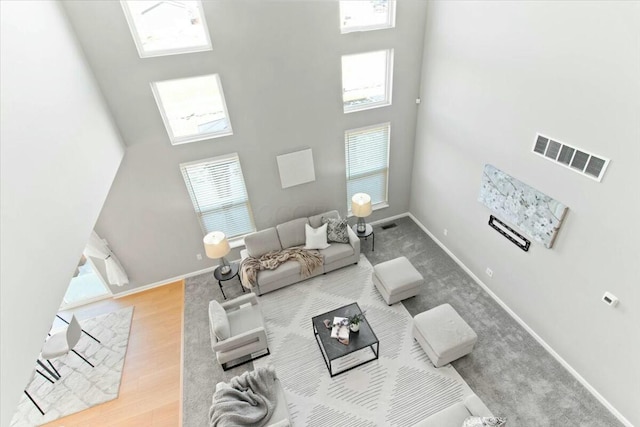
(397, 279)
(443, 334)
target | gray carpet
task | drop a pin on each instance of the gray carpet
(508, 369)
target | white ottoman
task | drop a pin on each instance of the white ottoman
(443, 334)
(396, 280)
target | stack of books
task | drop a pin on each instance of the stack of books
(340, 329)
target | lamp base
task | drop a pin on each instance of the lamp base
(362, 226)
(225, 268)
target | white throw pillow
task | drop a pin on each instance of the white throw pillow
(484, 422)
(219, 321)
(316, 238)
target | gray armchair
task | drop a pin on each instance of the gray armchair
(237, 330)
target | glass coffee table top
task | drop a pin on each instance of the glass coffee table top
(332, 349)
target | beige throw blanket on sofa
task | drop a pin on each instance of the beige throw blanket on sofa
(309, 261)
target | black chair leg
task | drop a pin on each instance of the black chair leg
(55, 377)
(54, 368)
(34, 402)
(45, 377)
(82, 357)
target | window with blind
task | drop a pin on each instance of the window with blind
(219, 196)
(367, 161)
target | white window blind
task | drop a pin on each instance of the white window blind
(367, 159)
(219, 195)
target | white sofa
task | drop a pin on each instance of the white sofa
(290, 234)
(454, 415)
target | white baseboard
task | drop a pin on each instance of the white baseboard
(165, 282)
(522, 323)
(391, 218)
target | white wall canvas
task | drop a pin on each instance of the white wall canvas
(296, 168)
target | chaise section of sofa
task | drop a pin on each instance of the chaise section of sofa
(292, 234)
(454, 415)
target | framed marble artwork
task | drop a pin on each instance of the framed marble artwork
(533, 212)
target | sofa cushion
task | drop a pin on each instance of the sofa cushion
(335, 252)
(316, 220)
(316, 237)
(288, 268)
(219, 321)
(291, 233)
(454, 415)
(337, 230)
(261, 242)
(245, 319)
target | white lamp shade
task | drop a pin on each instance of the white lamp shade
(361, 205)
(216, 245)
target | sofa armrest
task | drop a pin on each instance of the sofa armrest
(354, 241)
(476, 406)
(240, 340)
(237, 302)
(244, 254)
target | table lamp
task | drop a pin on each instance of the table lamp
(361, 208)
(217, 246)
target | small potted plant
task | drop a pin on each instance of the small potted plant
(354, 321)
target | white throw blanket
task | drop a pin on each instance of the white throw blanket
(248, 400)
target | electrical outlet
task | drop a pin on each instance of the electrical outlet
(489, 272)
(199, 257)
(445, 231)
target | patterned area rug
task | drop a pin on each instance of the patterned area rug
(401, 388)
(81, 386)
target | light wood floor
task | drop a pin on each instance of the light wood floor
(150, 388)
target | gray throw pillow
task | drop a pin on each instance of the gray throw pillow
(219, 321)
(336, 230)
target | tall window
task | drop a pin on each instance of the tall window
(366, 80)
(219, 196)
(193, 109)
(167, 27)
(367, 159)
(365, 15)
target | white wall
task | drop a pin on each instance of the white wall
(59, 154)
(279, 63)
(494, 74)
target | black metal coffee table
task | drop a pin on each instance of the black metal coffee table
(332, 349)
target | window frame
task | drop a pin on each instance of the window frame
(165, 52)
(388, 83)
(216, 160)
(391, 23)
(379, 204)
(177, 140)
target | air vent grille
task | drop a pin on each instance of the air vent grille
(587, 164)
